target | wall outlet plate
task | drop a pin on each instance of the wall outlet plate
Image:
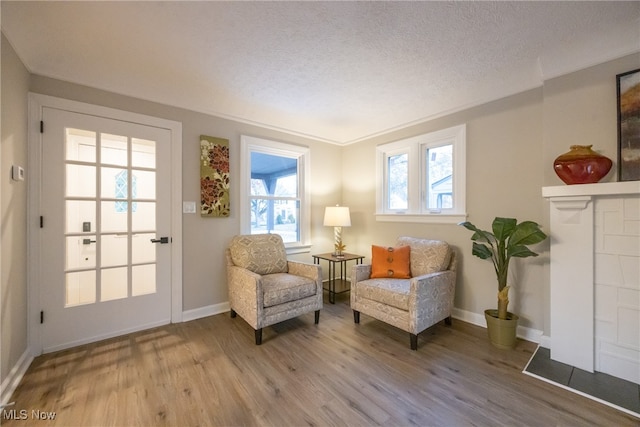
(189, 207)
(17, 173)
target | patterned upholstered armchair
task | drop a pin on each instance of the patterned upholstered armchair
(411, 304)
(264, 287)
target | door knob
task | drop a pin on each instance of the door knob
(161, 240)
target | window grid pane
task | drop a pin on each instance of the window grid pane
(398, 180)
(285, 214)
(439, 161)
(274, 190)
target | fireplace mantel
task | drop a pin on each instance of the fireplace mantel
(577, 249)
(600, 189)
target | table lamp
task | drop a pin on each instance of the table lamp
(337, 217)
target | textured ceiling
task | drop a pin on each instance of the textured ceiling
(335, 71)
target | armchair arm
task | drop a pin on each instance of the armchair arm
(311, 271)
(360, 272)
(434, 283)
(431, 297)
(245, 294)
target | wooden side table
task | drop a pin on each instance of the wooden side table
(341, 283)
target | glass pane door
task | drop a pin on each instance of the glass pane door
(110, 217)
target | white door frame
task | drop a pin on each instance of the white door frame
(36, 104)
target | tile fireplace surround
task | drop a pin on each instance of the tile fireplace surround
(595, 277)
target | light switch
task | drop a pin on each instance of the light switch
(189, 207)
(17, 173)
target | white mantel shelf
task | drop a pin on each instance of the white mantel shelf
(599, 189)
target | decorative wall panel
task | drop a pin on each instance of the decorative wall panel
(214, 177)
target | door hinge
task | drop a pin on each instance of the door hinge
(41, 126)
(41, 221)
(41, 317)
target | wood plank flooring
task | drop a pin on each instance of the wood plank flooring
(209, 372)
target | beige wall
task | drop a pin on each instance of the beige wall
(504, 176)
(580, 108)
(13, 210)
(511, 144)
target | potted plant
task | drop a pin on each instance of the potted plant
(507, 240)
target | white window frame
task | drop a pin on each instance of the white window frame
(417, 193)
(249, 144)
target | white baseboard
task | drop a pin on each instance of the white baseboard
(12, 380)
(545, 341)
(102, 337)
(529, 334)
(210, 310)
(469, 317)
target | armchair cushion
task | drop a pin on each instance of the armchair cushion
(261, 254)
(280, 288)
(427, 256)
(388, 262)
(389, 292)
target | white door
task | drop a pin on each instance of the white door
(105, 253)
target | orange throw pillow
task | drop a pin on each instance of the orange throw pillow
(387, 262)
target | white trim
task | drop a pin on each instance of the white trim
(529, 334)
(209, 310)
(37, 102)
(425, 219)
(415, 147)
(268, 146)
(13, 378)
(469, 317)
(176, 222)
(597, 189)
(34, 189)
(102, 337)
(301, 249)
(545, 341)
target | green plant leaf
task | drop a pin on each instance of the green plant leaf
(481, 251)
(520, 251)
(527, 233)
(478, 235)
(503, 227)
(468, 226)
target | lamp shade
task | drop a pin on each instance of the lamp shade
(337, 216)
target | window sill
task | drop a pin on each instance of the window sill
(423, 218)
(299, 249)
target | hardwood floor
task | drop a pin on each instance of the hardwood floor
(209, 372)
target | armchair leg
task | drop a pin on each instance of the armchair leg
(447, 321)
(233, 313)
(356, 316)
(414, 341)
(258, 336)
(317, 319)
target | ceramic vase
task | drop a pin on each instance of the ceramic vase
(581, 165)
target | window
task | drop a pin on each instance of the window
(121, 191)
(274, 191)
(423, 179)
